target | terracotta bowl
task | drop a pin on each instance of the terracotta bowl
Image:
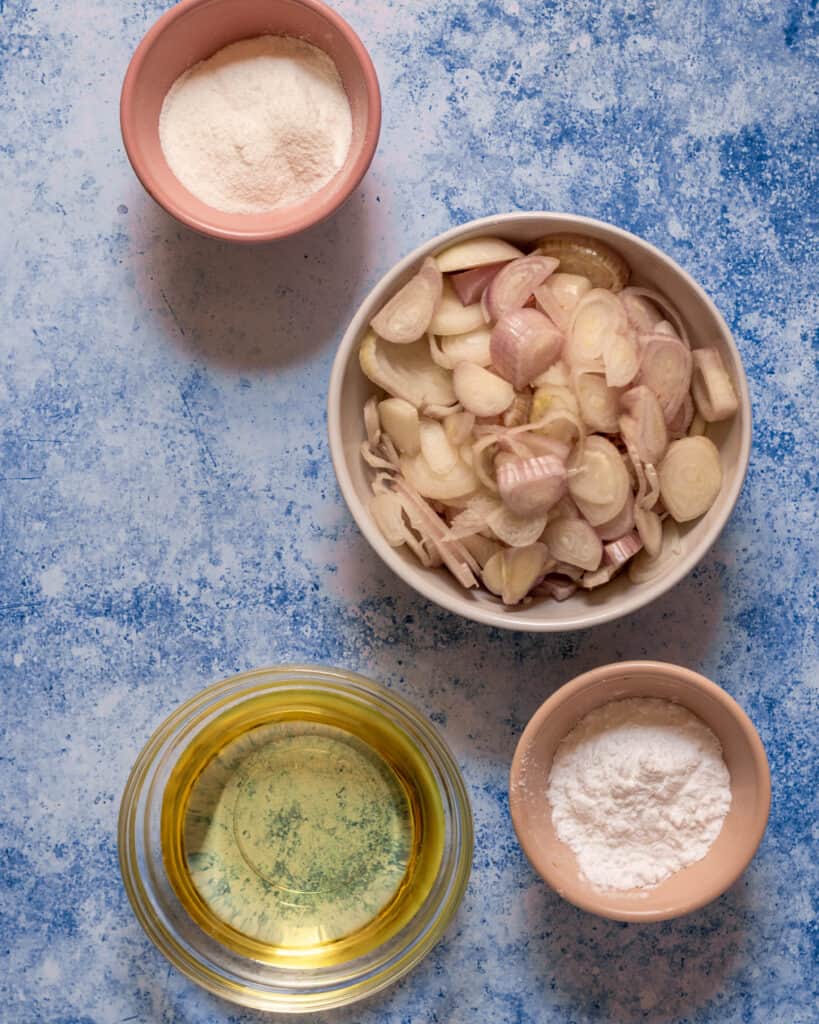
(350, 389)
(744, 755)
(193, 31)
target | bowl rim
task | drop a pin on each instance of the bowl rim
(416, 577)
(584, 898)
(214, 228)
(322, 988)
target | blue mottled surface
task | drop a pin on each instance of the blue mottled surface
(169, 515)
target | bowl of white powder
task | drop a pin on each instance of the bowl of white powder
(640, 791)
(250, 120)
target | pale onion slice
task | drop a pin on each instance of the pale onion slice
(516, 531)
(559, 295)
(598, 481)
(621, 359)
(597, 319)
(399, 420)
(453, 554)
(514, 285)
(659, 300)
(711, 386)
(481, 548)
(387, 510)
(619, 551)
(372, 422)
(513, 572)
(622, 523)
(405, 371)
(642, 314)
(684, 416)
(475, 252)
(558, 374)
(597, 401)
(439, 412)
(471, 347)
(650, 528)
(481, 392)
(550, 397)
(690, 477)
(451, 317)
(588, 257)
(650, 499)
(565, 509)
(374, 459)
(439, 452)
(644, 424)
(665, 367)
(531, 443)
(524, 343)
(459, 481)
(575, 542)
(459, 426)
(533, 485)
(406, 317)
(603, 575)
(470, 285)
(644, 569)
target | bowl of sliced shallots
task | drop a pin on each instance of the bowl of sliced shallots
(539, 421)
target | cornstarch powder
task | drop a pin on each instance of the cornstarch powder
(639, 789)
(260, 124)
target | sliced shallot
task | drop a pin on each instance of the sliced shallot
(514, 284)
(559, 295)
(459, 481)
(516, 531)
(372, 422)
(711, 386)
(598, 482)
(524, 343)
(618, 552)
(459, 427)
(399, 420)
(665, 367)
(481, 392)
(597, 318)
(475, 252)
(451, 317)
(643, 423)
(575, 542)
(589, 257)
(440, 454)
(406, 317)
(598, 402)
(388, 512)
(650, 528)
(513, 572)
(690, 477)
(405, 371)
(643, 568)
(529, 486)
(682, 419)
(658, 299)
(470, 285)
(558, 587)
(622, 523)
(470, 347)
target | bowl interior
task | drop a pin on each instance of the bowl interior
(742, 830)
(196, 30)
(349, 389)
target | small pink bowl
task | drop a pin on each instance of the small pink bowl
(194, 30)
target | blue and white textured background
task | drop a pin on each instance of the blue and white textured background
(168, 512)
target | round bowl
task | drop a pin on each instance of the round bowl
(742, 830)
(295, 838)
(349, 389)
(194, 30)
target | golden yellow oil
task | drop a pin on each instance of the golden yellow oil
(301, 828)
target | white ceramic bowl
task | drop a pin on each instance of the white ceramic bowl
(349, 389)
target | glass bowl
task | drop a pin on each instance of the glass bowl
(295, 838)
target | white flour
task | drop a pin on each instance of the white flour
(639, 790)
(262, 123)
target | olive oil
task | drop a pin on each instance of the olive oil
(302, 829)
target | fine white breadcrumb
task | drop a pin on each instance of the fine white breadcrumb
(261, 124)
(639, 789)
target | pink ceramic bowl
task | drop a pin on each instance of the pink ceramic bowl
(194, 30)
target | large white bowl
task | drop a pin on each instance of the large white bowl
(349, 390)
